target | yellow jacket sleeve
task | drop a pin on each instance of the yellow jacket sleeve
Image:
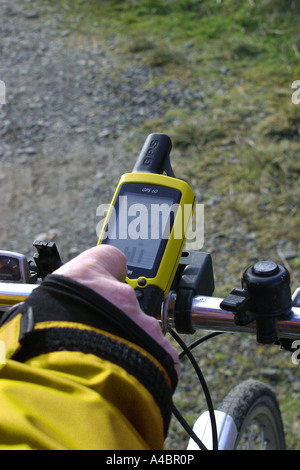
(79, 374)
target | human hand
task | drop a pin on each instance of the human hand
(103, 269)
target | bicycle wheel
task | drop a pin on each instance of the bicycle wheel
(255, 411)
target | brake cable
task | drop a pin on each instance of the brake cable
(189, 430)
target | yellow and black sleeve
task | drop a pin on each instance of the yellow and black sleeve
(80, 374)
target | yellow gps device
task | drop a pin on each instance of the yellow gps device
(148, 220)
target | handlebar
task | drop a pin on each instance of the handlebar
(205, 313)
(12, 293)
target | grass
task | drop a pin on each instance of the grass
(238, 145)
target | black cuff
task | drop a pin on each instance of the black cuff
(59, 298)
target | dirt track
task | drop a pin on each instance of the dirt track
(67, 129)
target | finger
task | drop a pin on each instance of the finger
(102, 260)
(111, 259)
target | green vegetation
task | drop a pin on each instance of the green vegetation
(238, 144)
(241, 136)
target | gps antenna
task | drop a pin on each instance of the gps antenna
(155, 156)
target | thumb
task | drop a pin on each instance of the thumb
(108, 258)
(103, 261)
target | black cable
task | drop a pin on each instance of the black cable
(200, 341)
(204, 387)
(187, 427)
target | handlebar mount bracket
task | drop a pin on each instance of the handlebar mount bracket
(47, 259)
(194, 276)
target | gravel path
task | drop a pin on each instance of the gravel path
(72, 112)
